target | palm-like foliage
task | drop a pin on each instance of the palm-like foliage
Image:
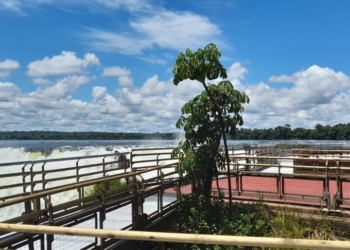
(207, 118)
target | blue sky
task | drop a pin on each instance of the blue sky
(105, 65)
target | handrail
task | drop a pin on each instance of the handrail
(78, 185)
(58, 159)
(289, 158)
(179, 237)
(322, 150)
(290, 166)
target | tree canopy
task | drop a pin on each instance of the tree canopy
(206, 118)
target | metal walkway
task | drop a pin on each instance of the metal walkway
(61, 192)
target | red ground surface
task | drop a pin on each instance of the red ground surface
(298, 191)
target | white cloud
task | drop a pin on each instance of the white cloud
(130, 98)
(42, 81)
(8, 91)
(318, 95)
(98, 93)
(154, 87)
(65, 63)
(12, 5)
(116, 71)
(20, 6)
(7, 66)
(236, 71)
(177, 30)
(153, 60)
(123, 74)
(63, 88)
(165, 29)
(131, 5)
(281, 78)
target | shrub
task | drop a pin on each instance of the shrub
(98, 188)
(198, 216)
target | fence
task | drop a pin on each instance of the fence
(151, 189)
(326, 186)
(136, 205)
(31, 176)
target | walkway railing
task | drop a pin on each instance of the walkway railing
(31, 176)
(61, 192)
(147, 195)
(322, 182)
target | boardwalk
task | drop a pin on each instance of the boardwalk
(294, 189)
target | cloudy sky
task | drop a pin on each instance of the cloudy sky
(105, 65)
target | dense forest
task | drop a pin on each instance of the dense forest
(320, 132)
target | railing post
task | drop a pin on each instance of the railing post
(130, 160)
(27, 210)
(105, 184)
(139, 218)
(43, 175)
(104, 167)
(32, 179)
(248, 153)
(80, 190)
(337, 198)
(24, 178)
(326, 196)
(279, 181)
(160, 191)
(49, 237)
(102, 211)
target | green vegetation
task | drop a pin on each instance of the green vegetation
(206, 118)
(254, 219)
(320, 132)
(98, 188)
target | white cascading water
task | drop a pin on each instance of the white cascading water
(22, 154)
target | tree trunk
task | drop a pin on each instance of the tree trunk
(211, 168)
(221, 121)
(208, 181)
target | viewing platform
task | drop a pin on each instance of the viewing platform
(58, 192)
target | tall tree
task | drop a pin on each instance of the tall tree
(208, 117)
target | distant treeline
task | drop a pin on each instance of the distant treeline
(52, 135)
(320, 132)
